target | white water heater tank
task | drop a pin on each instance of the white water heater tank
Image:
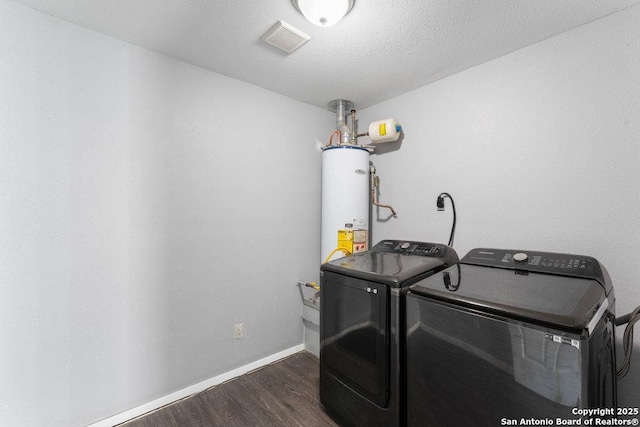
(345, 200)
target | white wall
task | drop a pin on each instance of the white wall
(145, 206)
(540, 150)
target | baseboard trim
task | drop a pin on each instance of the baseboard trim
(196, 388)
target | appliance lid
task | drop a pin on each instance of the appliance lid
(394, 262)
(564, 301)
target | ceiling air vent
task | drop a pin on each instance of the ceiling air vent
(285, 37)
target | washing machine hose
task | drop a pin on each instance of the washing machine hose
(627, 340)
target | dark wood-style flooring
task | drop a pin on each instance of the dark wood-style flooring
(284, 393)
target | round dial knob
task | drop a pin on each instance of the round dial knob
(520, 258)
(405, 245)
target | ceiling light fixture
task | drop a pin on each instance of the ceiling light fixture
(323, 13)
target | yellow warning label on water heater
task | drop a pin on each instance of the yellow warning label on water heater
(353, 241)
(345, 240)
(382, 129)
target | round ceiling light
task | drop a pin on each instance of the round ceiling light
(323, 13)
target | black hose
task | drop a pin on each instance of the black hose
(627, 340)
(623, 320)
(440, 205)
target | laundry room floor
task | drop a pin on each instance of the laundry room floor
(284, 393)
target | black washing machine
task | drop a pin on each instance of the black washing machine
(362, 318)
(510, 335)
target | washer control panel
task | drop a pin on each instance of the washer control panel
(540, 262)
(408, 247)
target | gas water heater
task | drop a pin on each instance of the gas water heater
(346, 179)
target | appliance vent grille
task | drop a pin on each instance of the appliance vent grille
(285, 37)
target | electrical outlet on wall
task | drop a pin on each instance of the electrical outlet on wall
(238, 330)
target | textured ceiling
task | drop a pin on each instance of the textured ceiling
(382, 49)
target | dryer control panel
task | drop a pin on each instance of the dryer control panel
(538, 262)
(408, 247)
